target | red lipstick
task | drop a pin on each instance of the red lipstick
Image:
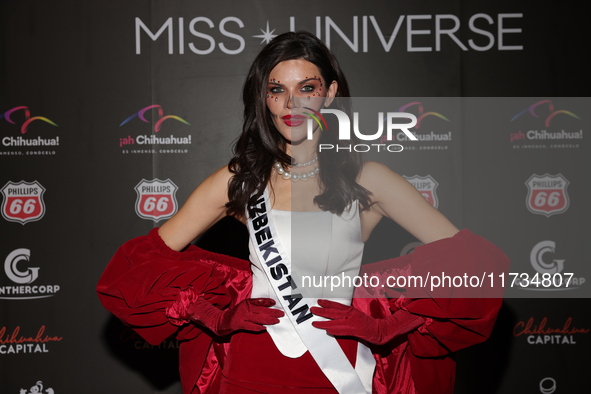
(293, 120)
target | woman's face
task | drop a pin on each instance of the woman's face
(292, 86)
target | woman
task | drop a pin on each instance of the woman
(269, 335)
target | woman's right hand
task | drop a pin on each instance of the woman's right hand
(249, 315)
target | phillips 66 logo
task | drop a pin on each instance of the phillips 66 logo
(546, 194)
(23, 201)
(156, 199)
(426, 185)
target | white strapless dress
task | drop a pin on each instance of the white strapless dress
(321, 245)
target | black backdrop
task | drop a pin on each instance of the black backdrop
(73, 72)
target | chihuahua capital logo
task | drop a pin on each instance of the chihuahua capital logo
(28, 119)
(141, 114)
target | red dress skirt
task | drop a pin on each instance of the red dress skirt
(255, 365)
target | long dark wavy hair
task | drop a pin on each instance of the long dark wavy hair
(260, 145)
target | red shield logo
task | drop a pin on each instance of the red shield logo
(23, 201)
(546, 194)
(427, 186)
(156, 199)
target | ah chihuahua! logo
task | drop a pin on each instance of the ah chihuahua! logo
(157, 119)
(544, 124)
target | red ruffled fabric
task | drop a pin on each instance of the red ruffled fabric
(455, 318)
(178, 311)
(145, 279)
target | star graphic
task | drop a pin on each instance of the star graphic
(267, 35)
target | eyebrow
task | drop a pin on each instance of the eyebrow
(299, 83)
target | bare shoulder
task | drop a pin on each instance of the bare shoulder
(394, 197)
(376, 177)
(217, 183)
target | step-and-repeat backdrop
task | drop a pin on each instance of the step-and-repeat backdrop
(112, 112)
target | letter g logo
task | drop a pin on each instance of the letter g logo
(537, 258)
(12, 271)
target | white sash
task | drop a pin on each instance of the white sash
(324, 348)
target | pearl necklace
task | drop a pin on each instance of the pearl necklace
(306, 163)
(304, 176)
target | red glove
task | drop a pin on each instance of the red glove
(248, 315)
(350, 321)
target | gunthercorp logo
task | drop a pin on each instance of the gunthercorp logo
(544, 125)
(145, 143)
(547, 194)
(427, 186)
(22, 120)
(23, 201)
(17, 268)
(156, 199)
(549, 262)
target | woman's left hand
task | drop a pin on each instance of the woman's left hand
(350, 321)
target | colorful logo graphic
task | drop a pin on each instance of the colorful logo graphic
(547, 195)
(156, 199)
(23, 201)
(427, 186)
(421, 114)
(317, 117)
(547, 115)
(141, 114)
(28, 119)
